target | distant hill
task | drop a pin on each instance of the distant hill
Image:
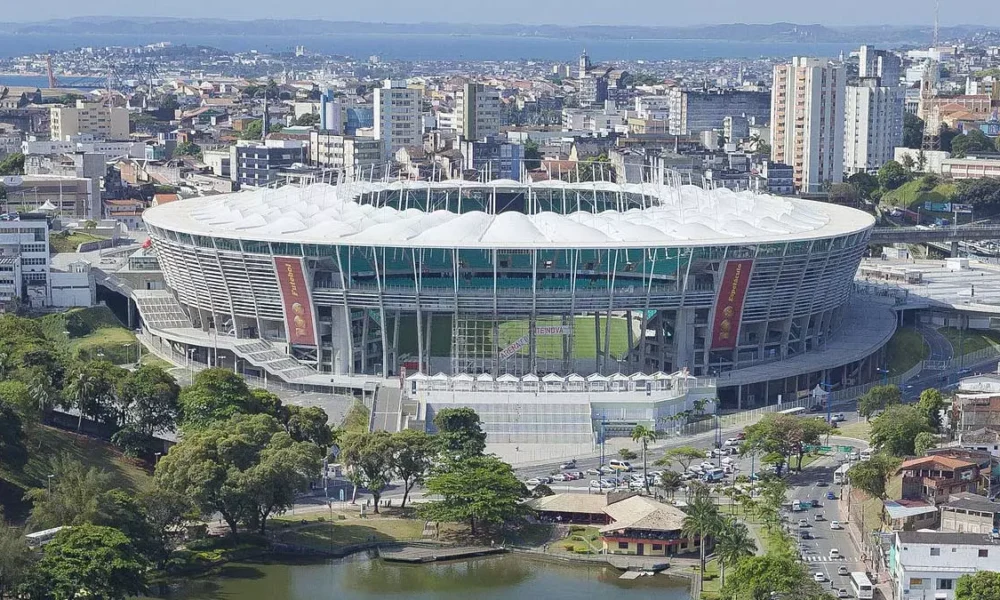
(742, 32)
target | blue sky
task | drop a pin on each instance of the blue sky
(565, 12)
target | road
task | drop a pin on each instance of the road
(940, 347)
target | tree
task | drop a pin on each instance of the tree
(702, 521)
(844, 193)
(414, 452)
(125, 513)
(931, 404)
(681, 455)
(924, 441)
(626, 454)
(896, 429)
(252, 130)
(981, 585)
(786, 435)
(92, 389)
(187, 149)
(357, 418)
(644, 435)
(481, 490)
(166, 512)
(309, 424)
(878, 398)
(908, 162)
(865, 183)
(669, 482)
(733, 543)
(872, 475)
(148, 401)
(541, 491)
(12, 164)
(72, 496)
(13, 453)
(892, 175)
(215, 395)
(983, 194)
(758, 577)
(308, 120)
(532, 156)
(972, 142)
(16, 559)
(371, 457)
(913, 131)
(245, 468)
(89, 561)
(460, 432)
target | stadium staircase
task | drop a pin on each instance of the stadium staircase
(264, 355)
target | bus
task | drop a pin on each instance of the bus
(792, 411)
(862, 586)
(840, 475)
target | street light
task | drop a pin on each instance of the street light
(156, 460)
(50, 483)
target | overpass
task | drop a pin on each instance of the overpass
(919, 235)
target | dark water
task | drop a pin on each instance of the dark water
(436, 46)
(509, 577)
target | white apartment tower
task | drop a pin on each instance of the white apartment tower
(873, 124)
(807, 121)
(883, 64)
(477, 111)
(397, 117)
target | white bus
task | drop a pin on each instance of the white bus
(840, 475)
(792, 411)
(862, 586)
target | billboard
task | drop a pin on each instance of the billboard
(729, 304)
(300, 322)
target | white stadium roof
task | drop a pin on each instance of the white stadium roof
(324, 214)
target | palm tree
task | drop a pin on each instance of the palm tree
(702, 521)
(669, 482)
(81, 390)
(644, 435)
(733, 542)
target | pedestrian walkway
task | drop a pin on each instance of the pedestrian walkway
(824, 559)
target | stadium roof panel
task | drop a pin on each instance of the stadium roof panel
(325, 214)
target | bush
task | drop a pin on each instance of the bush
(341, 517)
(569, 546)
(574, 528)
(321, 519)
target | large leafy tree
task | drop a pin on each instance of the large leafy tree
(892, 175)
(872, 476)
(479, 490)
(13, 453)
(682, 456)
(16, 558)
(309, 424)
(460, 432)
(215, 395)
(166, 512)
(733, 543)
(702, 521)
(931, 404)
(983, 194)
(786, 435)
(878, 398)
(125, 513)
(72, 496)
(758, 577)
(925, 441)
(371, 458)
(981, 585)
(896, 429)
(865, 183)
(88, 561)
(644, 436)
(148, 401)
(414, 452)
(972, 142)
(245, 468)
(913, 131)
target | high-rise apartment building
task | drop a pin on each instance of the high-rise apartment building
(397, 117)
(807, 121)
(477, 111)
(354, 155)
(694, 111)
(88, 118)
(873, 124)
(883, 64)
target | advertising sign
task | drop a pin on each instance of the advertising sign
(937, 206)
(299, 318)
(729, 304)
(961, 208)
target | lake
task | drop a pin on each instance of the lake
(507, 577)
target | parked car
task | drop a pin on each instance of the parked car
(835, 525)
(728, 460)
(804, 534)
(842, 593)
(822, 483)
(593, 471)
(803, 523)
(732, 442)
(603, 484)
(705, 466)
(569, 464)
(560, 477)
(533, 482)
(818, 517)
(839, 417)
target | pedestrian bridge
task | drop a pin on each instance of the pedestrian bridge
(964, 233)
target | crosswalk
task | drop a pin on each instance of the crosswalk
(817, 558)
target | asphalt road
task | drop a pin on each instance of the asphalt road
(940, 347)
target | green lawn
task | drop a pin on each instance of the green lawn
(59, 243)
(970, 340)
(861, 430)
(88, 332)
(905, 349)
(46, 443)
(910, 195)
(337, 534)
(479, 336)
(581, 540)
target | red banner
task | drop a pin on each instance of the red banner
(299, 319)
(729, 304)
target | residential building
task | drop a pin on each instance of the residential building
(66, 196)
(934, 478)
(873, 124)
(653, 107)
(970, 513)
(926, 565)
(779, 178)
(971, 167)
(976, 404)
(73, 285)
(397, 117)
(493, 158)
(883, 64)
(807, 121)
(695, 111)
(219, 161)
(102, 122)
(83, 143)
(258, 164)
(24, 259)
(735, 128)
(91, 166)
(353, 155)
(477, 111)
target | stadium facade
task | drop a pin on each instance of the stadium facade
(378, 279)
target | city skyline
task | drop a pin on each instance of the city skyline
(589, 12)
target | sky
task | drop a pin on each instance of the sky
(564, 12)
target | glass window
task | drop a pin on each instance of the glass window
(935, 552)
(944, 584)
(983, 553)
(623, 545)
(256, 247)
(203, 241)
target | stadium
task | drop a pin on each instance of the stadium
(369, 280)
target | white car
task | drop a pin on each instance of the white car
(570, 464)
(560, 477)
(603, 484)
(835, 554)
(593, 472)
(533, 482)
(707, 466)
(728, 460)
(839, 417)
(732, 442)
(835, 525)
(819, 577)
